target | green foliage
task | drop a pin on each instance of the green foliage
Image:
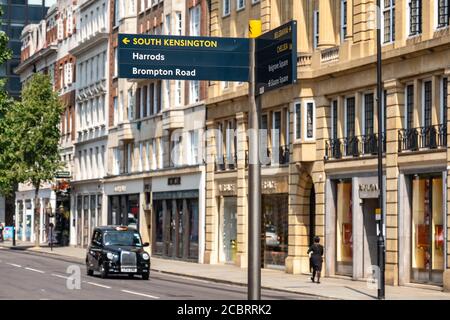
(36, 135)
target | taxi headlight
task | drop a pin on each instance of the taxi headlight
(111, 256)
(145, 256)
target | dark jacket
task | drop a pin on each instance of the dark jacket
(317, 253)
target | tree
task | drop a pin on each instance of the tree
(8, 181)
(36, 136)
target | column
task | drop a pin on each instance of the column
(394, 114)
(211, 219)
(326, 25)
(357, 232)
(242, 190)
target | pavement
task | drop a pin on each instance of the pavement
(272, 280)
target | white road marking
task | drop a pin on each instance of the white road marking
(98, 285)
(14, 265)
(35, 270)
(59, 276)
(140, 294)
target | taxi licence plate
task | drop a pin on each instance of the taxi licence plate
(128, 269)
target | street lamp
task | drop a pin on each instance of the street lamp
(50, 219)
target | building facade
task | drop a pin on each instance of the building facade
(323, 179)
(17, 15)
(45, 49)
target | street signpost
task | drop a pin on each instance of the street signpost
(183, 58)
(267, 62)
(276, 58)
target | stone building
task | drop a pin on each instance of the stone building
(323, 181)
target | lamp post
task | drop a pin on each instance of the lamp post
(50, 219)
(381, 242)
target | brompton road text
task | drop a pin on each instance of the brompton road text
(163, 72)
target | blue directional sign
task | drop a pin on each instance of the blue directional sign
(276, 58)
(183, 58)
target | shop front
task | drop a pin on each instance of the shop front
(275, 226)
(87, 212)
(351, 244)
(178, 217)
(228, 221)
(422, 246)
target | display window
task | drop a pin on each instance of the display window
(427, 229)
(344, 227)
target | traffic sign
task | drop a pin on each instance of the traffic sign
(276, 58)
(183, 58)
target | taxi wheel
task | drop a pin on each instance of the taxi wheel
(103, 272)
(145, 276)
(130, 275)
(89, 272)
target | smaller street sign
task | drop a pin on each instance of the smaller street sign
(276, 58)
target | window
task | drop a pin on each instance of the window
(343, 19)
(240, 4)
(310, 114)
(334, 119)
(316, 28)
(226, 7)
(350, 117)
(194, 23)
(444, 101)
(179, 24)
(298, 121)
(415, 17)
(168, 25)
(368, 114)
(194, 147)
(409, 107)
(443, 13)
(194, 92)
(69, 21)
(116, 13)
(116, 64)
(167, 94)
(427, 105)
(130, 112)
(60, 29)
(178, 93)
(388, 21)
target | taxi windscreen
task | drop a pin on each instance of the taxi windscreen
(122, 238)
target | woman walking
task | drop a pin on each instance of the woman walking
(316, 259)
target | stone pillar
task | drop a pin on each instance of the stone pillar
(297, 260)
(211, 219)
(395, 102)
(242, 190)
(446, 280)
(326, 25)
(357, 232)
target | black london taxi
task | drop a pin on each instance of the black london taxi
(117, 250)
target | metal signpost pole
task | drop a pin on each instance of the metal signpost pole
(381, 242)
(254, 176)
(14, 231)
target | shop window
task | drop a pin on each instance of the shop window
(427, 229)
(344, 229)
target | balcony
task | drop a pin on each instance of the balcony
(329, 55)
(422, 138)
(273, 157)
(173, 119)
(357, 146)
(225, 163)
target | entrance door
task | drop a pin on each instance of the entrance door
(229, 229)
(369, 236)
(427, 229)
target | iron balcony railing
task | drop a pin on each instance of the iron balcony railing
(356, 146)
(270, 157)
(429, 137)
(226, 162)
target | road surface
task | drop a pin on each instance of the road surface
(28, 276)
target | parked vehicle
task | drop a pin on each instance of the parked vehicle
(117, 250)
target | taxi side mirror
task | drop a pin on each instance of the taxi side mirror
(146, 244)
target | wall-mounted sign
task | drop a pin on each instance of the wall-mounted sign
(120, 188)
(183, 58)
(369, 191)
(63, 174)
(276, 58)
(174, 181)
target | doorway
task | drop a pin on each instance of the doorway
(369, 236)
